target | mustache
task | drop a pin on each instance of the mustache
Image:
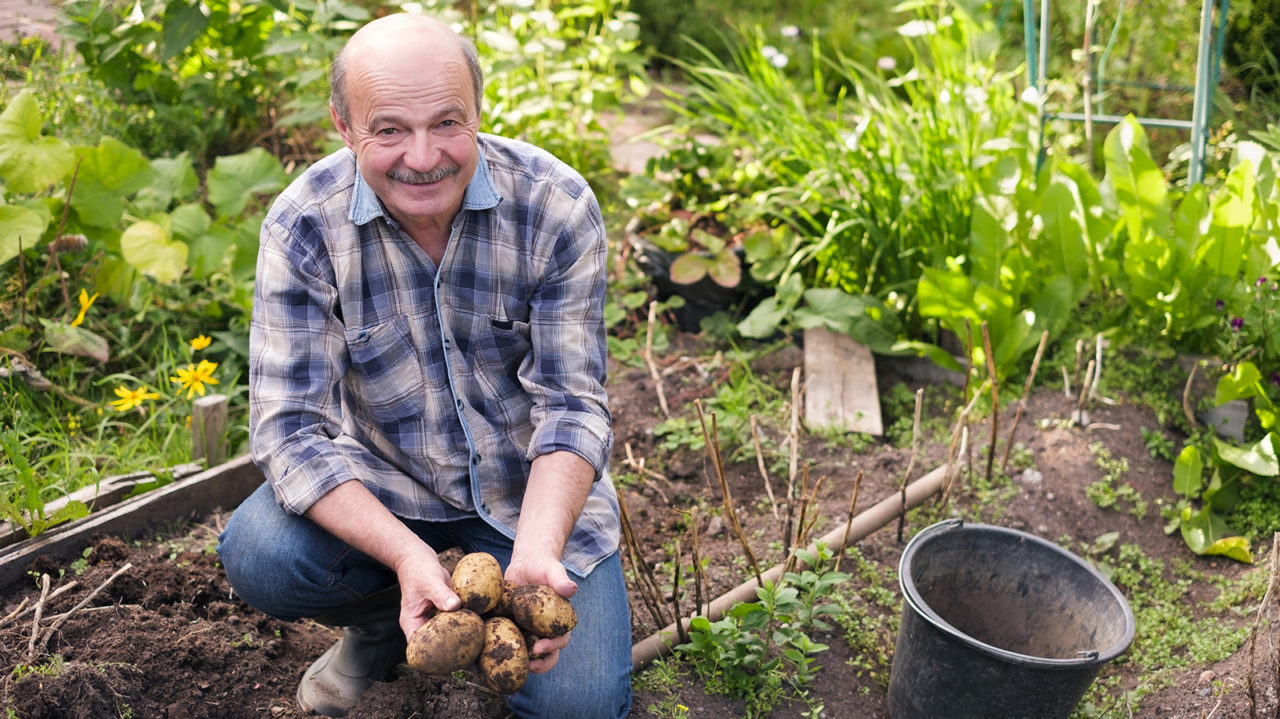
(413, 177)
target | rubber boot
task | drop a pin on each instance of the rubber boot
(372, 644)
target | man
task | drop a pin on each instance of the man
(427, 360)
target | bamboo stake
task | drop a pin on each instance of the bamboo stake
(699, 577)
(1084, 395)
(1026, 390)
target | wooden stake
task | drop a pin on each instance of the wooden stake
(650, 593)
(713, 447)
(675, 597)
(911, 463)
(209, 429)
(699, 577)
(1026, 390)
(995, 399)
(1084, 394)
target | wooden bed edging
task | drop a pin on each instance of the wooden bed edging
(225, 485)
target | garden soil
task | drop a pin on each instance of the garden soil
(168, 638)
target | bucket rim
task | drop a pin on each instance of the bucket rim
(912, 596)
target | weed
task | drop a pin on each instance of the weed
(1105, 493)
(1158, 444)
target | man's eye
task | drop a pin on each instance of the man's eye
(448, 123)
(387, 131)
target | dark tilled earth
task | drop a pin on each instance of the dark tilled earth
(167, 637)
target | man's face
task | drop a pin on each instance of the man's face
(413, 128)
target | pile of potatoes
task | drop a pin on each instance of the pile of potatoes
(495, 627)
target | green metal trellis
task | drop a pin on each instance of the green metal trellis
(1208, 60)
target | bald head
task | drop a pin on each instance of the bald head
(392, 37)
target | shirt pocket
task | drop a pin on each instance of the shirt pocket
(385, 381)
(501, 349)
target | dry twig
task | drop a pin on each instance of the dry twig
(63, 619)
(764, 473)
(911, 463)
(1026, 391)
(35, 623)
(712, 439)
(648, 360)
(995, 401)
(1257, 621)
(848, 524)
(650, 593)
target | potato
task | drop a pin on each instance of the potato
(449, 641)
(538, 609)
(504, 661)
(477, 580)
(503, 607)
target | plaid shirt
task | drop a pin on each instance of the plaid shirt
(436, 388)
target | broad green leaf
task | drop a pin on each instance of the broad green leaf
(934, 353)
(1222, 253)
(182, 24)
(864, 318)
(1236, 548)
(988, 239)
(28, 162)
(725, 269)
(209, 250)
(235, 179)
(189, 221)
(109, 173)
(147, 247)
(947, 295)
(689, 267)
(1188, 472)
(1138, 182)
(172, 179)
(1258, 458)
(19, 227)
(1243, 382)
(764, 319)
(1063, 238)
(77, 341)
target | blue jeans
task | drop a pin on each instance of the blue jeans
(289, 567)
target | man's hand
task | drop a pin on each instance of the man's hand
(558, 487)
(546, 570)
(351, 513)
(424, 588)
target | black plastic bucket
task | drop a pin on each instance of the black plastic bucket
(999, 623)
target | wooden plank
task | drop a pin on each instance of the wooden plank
(99, 496)
(840, 383)
(223, 486)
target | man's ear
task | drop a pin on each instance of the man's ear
(343, 128)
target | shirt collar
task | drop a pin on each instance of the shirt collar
(479, 195)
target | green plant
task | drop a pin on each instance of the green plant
(1230, 468)
(21, 499)
(762, 649)
(1251, 44)
(205, 78)
(1158, 444)
(1108, 492)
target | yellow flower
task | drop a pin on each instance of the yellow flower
(200, 342)
(85, 303)
(130, 398)
(194, 377)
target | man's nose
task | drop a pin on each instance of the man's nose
(422, 153)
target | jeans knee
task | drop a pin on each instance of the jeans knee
(583, 698)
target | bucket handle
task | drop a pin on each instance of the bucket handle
(1090, 654)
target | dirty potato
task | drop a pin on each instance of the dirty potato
(538, 609)
(503, 607)
(477, 580)
(504, 661)
(449, 641)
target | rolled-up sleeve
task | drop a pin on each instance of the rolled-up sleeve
(296, 349)
(565, 371)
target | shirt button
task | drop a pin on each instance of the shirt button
(475, 459)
